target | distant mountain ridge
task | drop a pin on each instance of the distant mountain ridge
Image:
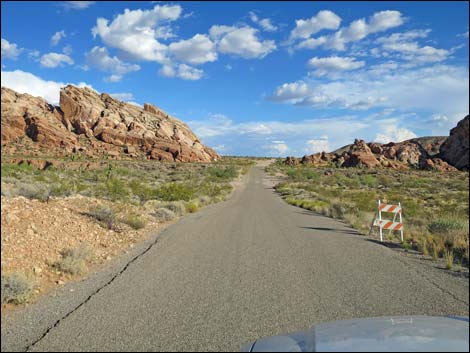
(431, 152)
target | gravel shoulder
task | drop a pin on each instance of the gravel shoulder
(249, 267)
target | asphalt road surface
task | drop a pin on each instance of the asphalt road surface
(252, 266)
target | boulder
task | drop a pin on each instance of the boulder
(438, 164)
(361, 159)
(292, 161)
(455, 150)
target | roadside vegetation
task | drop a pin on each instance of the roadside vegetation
(121, 199)
(435, 205)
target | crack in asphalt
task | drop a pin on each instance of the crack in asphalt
(135, 258)
(430, 280)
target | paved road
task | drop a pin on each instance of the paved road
(249, 267)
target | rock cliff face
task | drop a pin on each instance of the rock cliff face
(98, 125)
(455, 150)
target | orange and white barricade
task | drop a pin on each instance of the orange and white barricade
(393, 225)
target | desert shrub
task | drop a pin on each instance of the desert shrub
(449, 259)
(204, 200)
(177, 207)
(191, 207)
(222, 174)
(174, 192)
(447, 225)
(143, 192)
(135, 221)
(163, 214)
(337, 210)
(116, 189)
(62, 188)
(34, 191)
(105, 215)
(16, 288)
(368, 180)
(299, 174)
(73, 260)
(16, 170)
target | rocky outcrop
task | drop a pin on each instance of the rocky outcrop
(25, 115)
(100, 125)
(455, 150)
(399, 156)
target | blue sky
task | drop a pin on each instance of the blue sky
(254, 78)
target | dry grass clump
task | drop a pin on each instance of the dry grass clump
(74, 260)
(135, 221)
(163, 214)
(105, 215)
(192, 207)
(177, 207)
(17, 288)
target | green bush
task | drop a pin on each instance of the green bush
(368, 180)
(222, 174)
(116, 189)
(135, 222)
(191, 207)
(174, 192)
(16, 288)
(447, 225)
(143, 192)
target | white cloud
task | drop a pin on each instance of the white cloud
(10, 50)
(113, 78)
(182, 71)
(437, 88)
(55, 39)
(318, 145)
(25, 82)
(334, 64)
(77, 5)
(67, 50)
(123, 96)
(278, 148)
(312, 43)
(197, 50)
(394, 134)
(33, 53)
(167, 71)
(187, 72)
(99, 58)
(135, 103)
(267, 26)
(134, 31)
(291, 92)
(220, 148)
(264, 23)
(277, 137)
(52, 60)
(410, 50)
(356, 31)
(242, 42)
(323, 20)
